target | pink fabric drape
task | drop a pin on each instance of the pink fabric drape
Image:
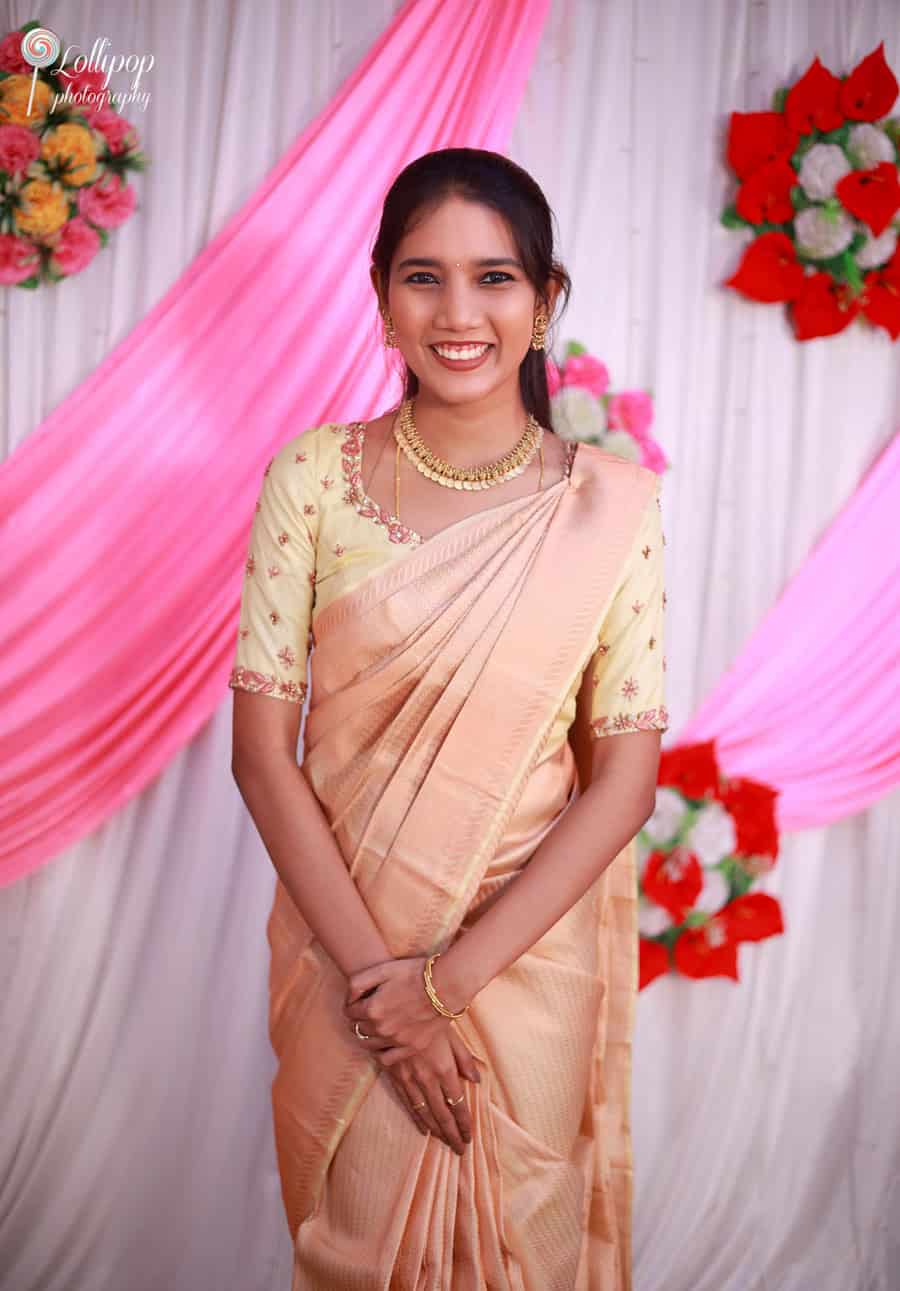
(812, 704)
(127, 511)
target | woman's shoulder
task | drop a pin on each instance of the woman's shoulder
(311, 460)
(616, 470)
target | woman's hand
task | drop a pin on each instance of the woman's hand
(433, 1079)
(392, 1008)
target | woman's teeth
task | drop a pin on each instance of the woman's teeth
(468, 352)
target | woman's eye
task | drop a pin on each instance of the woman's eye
(492, 273)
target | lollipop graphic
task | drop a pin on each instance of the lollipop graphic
(40, 47)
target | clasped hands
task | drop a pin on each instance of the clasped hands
(419, 1049)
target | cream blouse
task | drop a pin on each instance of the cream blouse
(316, 534)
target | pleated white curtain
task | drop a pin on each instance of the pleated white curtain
(135, 1135)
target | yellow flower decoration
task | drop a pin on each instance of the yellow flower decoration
(44, 209)
(70, 154)
(14, 92)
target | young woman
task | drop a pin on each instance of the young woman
(453, 936)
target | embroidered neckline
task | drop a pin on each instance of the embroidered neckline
(366, 506)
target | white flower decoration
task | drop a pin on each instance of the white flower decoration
(822, 234)
(820, 170)
(712, 834)
(870, 145)
(652, 919)
(577, 414)
(714, 893)
(667, 815)
(622, 444)
(876, 251)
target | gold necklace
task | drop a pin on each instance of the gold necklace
(445, 473)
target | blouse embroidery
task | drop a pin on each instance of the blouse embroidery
(351, 462)
(264, 683)
(651, 719)
(366, 506)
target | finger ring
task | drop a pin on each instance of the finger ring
(361, 1034)
(416, 1106)
(451, 1102)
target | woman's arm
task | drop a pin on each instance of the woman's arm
(588, 836)
(296, 833)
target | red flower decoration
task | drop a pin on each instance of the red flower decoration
(753, 917)
(871, 195)
(814, 103)
(869, 91)
(752, 806)
(696, 944)
(823, 308)
(881, 296)
(692, 768)
(653, 963)
(825, 292)
(707, 951)
(769, 270)
(766, 195)
(673, 880)
(757, 138)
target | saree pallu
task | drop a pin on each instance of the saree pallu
(435, 684)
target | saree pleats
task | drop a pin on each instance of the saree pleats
(434, 685)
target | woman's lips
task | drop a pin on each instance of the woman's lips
(461, 365)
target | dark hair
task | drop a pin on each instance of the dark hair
(477, 175)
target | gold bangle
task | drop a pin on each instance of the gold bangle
(436, 1001)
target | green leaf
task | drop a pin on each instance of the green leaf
(799, 199)
(731, 220)
(839, 136)
(779, 98)
(852, 273)
(30, 26)
(30, 283)
(574, 348)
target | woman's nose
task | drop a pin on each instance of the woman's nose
(458, 307)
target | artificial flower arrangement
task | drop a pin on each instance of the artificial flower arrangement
(583, 408)
(699, 855)
(63, 168)
(819, 188)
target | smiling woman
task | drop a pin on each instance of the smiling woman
(479, 607)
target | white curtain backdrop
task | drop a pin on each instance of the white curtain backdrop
(135, 1134)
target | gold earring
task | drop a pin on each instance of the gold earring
(538, 333)
(390, 337)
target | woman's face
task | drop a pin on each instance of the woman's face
(456, 278)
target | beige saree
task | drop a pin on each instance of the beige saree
(435, 683)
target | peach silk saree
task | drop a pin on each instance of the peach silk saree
(435, 683)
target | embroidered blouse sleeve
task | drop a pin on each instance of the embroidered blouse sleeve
(628, 667)
(279, 578)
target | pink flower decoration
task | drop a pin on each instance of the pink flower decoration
(632, 411)
(11, 59)
(653, 456)
(19, 259)
(585, 371)
(18, 149)
(554, 380)
(119, 134)
(78, 244)
(107, 203)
